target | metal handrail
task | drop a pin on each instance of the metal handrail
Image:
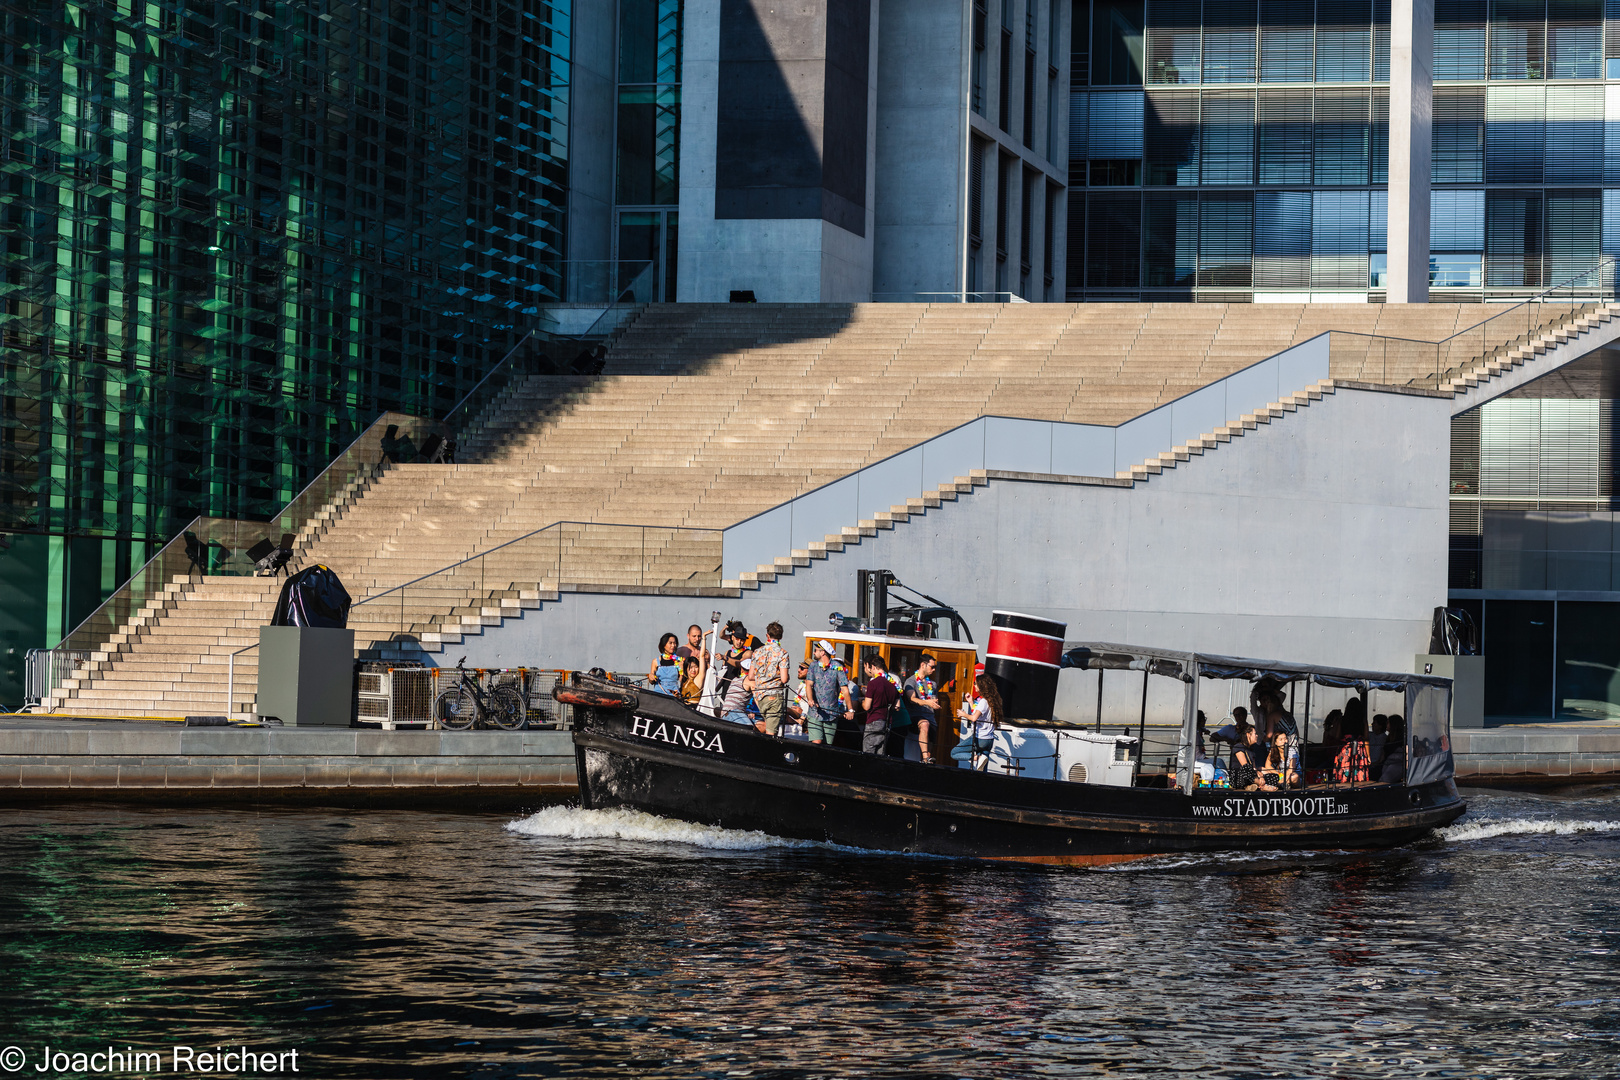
(527, 536)
(277, 521)
(1548, 295)
(1607, 260)
(479, 385)
(230, 675)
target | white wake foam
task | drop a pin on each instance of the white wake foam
(572, 823)
(1484, 830)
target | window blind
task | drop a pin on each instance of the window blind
(1459, 40)
(1339, 239)
(1343, 40)
(1611, 221)
(1174, 42)
(1078, 136)
(1228, 137)
(1611, 37)
(1342, 153)
(1284, 121)
(1282, 239)
(1515, 134)
(1458, 135)
(1574, 233)
(1381, 41)
(1457, 221)
(1226, 240)
(1513, 238)
(1574, 39)
(1171, 138)
(1518, 39)
(1114, 124)
(1170, 239)
(1611, 134)
(1113, 241)
(1574, 134)
(1378, 167)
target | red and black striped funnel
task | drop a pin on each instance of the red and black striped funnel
(1022, 659)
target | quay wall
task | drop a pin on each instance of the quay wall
(1320, 537)
(1536, 756)
(342, 766)
(489, 770)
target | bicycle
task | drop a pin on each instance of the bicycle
(467, 703)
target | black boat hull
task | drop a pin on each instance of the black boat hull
(656, 755)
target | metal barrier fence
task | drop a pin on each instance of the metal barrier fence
(395, 694)
(44, 670)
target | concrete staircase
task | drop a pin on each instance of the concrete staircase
(1504, 359)
(706, 415)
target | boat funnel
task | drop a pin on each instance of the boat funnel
(1022, 659)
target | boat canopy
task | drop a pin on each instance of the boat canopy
(1427, 697)
(1095, 655)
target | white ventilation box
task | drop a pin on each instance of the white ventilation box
(1082, 757)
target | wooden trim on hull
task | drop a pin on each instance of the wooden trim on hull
(1073, 860)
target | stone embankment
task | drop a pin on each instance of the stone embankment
(50, 759)
(155, 762)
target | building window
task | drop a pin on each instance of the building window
(1282, 240)
(1171, 138)
(1116, 41)
(1459, 135)
(1226, 241)
(1287, 41)
(1174, 42)
(1170, 240)
(1343, 137)
(1113, 241)
(1228, 137)
(1518, 39)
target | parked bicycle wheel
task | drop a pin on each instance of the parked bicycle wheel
(506, 709)
(456, 708)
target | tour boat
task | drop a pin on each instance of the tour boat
(1080, 790)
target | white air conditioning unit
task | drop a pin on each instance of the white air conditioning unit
(1080, 757)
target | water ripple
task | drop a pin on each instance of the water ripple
(572, 943)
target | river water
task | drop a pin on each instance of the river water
(573, 943)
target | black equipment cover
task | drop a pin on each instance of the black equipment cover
(313, 597)
(1454, 633)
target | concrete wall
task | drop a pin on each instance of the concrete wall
(42, 759)
(591, 113)
(791, 259)
(921, 179)
(1321, 537)
(1012, 445)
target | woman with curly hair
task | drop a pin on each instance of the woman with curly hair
(981, 711)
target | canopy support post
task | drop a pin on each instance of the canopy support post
(1141, 727)
(1305, 734)
(1099, 700)
(1186, 773)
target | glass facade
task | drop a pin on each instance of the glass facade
(1535, 550)
(1237, 149)
(647, 170)
(234, 231)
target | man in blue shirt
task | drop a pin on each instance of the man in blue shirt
(829, 695)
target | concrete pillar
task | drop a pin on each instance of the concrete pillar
(1411, 106)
